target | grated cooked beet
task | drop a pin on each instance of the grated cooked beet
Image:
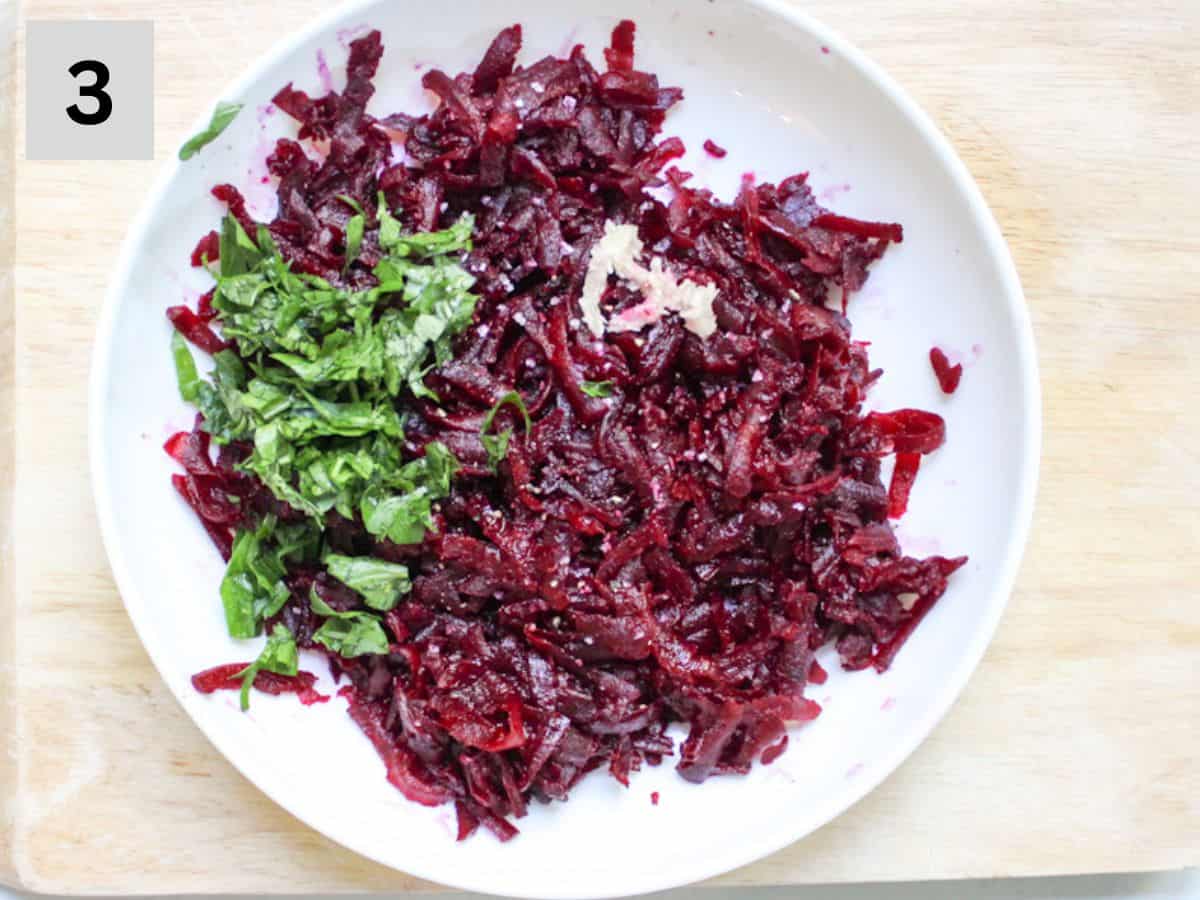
(226, 678)
(903, 476)
(193, 327)
(675, 551)
(948, 376)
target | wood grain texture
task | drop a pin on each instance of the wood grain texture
(1074, 746)
(8, 672)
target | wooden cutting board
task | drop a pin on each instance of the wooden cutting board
(1075, 746)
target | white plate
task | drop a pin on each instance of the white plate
(783, 94)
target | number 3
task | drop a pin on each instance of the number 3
(95, 90)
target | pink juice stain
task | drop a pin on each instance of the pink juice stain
(256, 183)
(346, 35)
(569, 42)
(260, 197)
(447, 821)
(188, 295)
(323, 72)
(831, 193)
(918, 545)
(967, 358)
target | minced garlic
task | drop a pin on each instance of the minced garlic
(616, 253)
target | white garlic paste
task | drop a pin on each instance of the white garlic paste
(617, 254)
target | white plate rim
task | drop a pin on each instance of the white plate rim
(807, 820)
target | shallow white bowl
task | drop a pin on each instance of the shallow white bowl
(782, 94)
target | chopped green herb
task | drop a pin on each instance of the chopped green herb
(325, 367)
(354, 236)
(279, 656)
(512, 398)
(379, 582)
(185, 369)
(427, 244)
(348, 634)
(389, 225)
(239, 254)
(399, 506)
(496, 445)
(352, 203)
(243, 594)
(597, 389)
(253, 587)
(225, 417)
(316, 388)
(221, 117)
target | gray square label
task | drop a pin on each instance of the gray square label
(89, 90)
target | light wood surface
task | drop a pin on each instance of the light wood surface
(1074, 747)
(8, 692)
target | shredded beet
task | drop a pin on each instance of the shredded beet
(903, 477)
(208, 249)
(225, 678)
(193, 327)
(948, 376)
(673, 549)
(817, 673)
(714, 149)
(884, 230)
(905, 430)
